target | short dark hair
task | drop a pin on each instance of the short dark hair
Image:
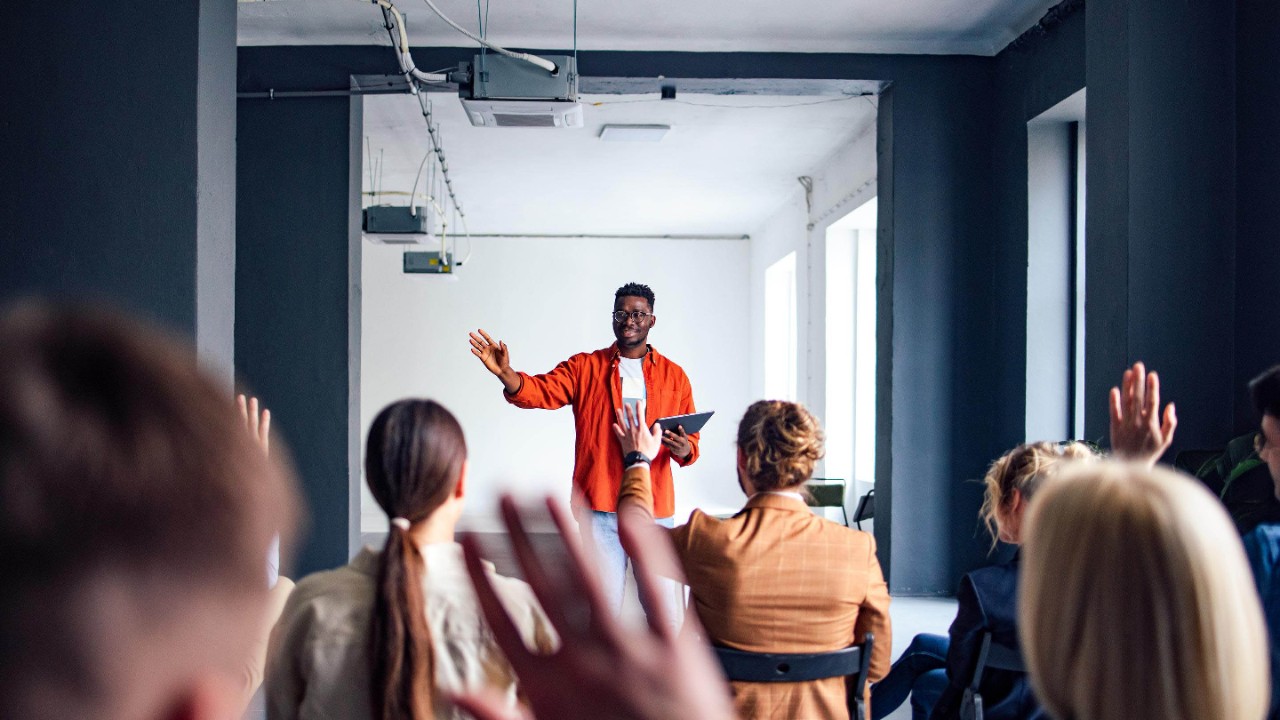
(1266, 392)
(635, 290)
(125, 470)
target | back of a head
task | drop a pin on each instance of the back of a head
(780, 442)
(135, 517)
(1137, 601)
(413, 459)
(1025, 469)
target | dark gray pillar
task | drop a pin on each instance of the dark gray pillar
(118, 147)
(1161, 230)
(1257, 199)
(943, 408)
(297, 300)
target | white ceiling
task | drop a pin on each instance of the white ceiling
(972, 27)
(726, 165)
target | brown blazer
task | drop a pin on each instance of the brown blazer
(777, 578)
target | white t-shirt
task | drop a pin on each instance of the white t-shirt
(631, 370)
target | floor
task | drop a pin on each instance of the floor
(914, 615)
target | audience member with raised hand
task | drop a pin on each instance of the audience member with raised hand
(1137, 602)
(385, 636)
(602, 670)
(1139, 432)
(256, 421)
(935, 669)
(134, 518)
(774, 577)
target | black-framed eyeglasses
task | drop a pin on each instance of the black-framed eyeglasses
(620, 316)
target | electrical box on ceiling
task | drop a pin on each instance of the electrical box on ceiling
(428, 263)
(505, 92)
(397, 225)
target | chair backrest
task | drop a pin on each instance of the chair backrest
(991, 655)
(866, 507)
(852, 662)
(825, 492)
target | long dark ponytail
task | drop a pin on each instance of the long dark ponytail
(413, 458)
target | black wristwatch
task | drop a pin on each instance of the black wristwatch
(633, 457)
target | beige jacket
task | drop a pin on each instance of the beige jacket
(318, 665)
(775, 578)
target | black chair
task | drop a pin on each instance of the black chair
(851, 662)
(827, 492)
(866, 508)
(990, 655)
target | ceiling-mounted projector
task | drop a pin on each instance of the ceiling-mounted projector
(397, 225)
(505, 92)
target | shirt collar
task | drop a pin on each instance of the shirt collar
(776, 500)
(651, 356)
(779, 493)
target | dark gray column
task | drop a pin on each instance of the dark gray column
(1257, 199)
(297, 299)
(117, 144)
(1161, 228)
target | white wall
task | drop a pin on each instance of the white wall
(841, 184)
(549, 299)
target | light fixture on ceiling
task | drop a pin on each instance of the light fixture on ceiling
(634, 133)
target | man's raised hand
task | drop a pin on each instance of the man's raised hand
(1138, 432)
(492, 353)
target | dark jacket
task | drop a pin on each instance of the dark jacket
(988, 602)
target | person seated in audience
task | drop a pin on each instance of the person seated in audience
(257, 421)
(774, 577)
(1137, 600)
(135, 516)
(385, 635)
(1262, 545)
(935, 669)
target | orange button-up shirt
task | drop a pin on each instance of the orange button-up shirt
(590, 382)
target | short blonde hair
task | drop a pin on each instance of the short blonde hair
(1024, 469)
(780, 442)
(1137, 601)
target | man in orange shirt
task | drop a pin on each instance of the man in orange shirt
(596, 384)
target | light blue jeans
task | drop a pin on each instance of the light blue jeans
(613, 560)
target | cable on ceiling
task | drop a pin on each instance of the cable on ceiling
(543, 63)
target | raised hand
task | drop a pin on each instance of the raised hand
(601, 670)
(257, 423)
(497, 359)
(633, 435)
(1138, 432)
(494, 355)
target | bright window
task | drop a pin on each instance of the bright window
(780, 329)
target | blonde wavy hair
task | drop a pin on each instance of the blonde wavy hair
(1024, 469)
(1137, 601)
(780, 441)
